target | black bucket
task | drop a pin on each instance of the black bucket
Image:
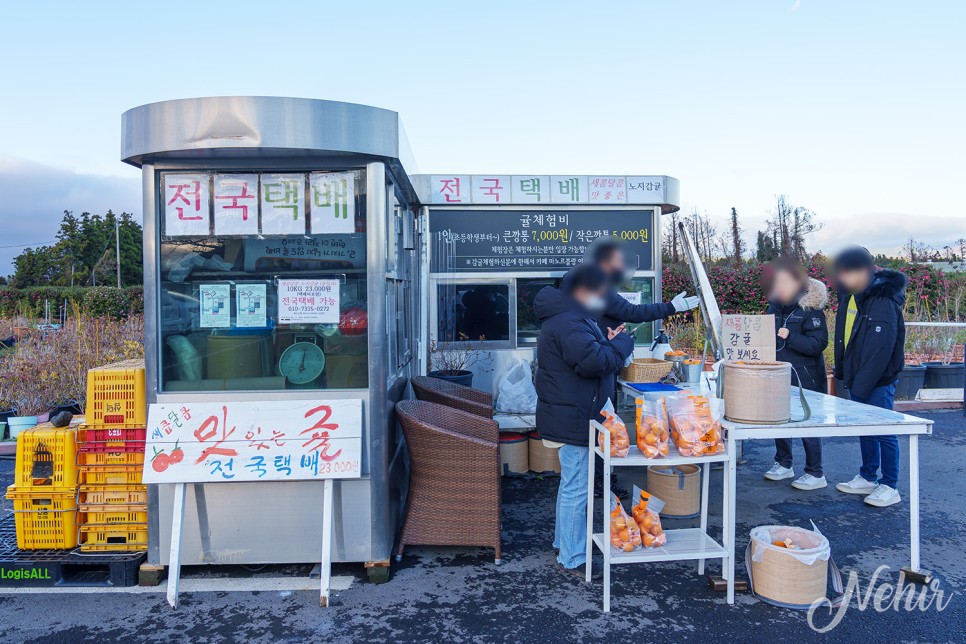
(911, 380)
(944, 376)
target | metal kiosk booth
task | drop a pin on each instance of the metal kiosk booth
(495, 240)
(250, 203)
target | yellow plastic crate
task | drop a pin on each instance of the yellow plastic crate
(46, 458)
(111, 515)
(109, 475)
(98, 459)
(45, 520)
(115, 395)
(114, 538)
(112, 494)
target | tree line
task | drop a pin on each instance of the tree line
(84, 254)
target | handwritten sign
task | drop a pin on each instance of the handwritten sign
(308, 301)
(208, 442)
(634, 297)
(748, 337)
(305, 253)
(186, 205)
(283, 204)
(236, 204)
(333, 202)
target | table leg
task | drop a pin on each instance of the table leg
(606, 500)
(705, 474)
(914, 499)
(732, 520)
(591, 464)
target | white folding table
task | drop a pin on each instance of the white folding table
(831, 417)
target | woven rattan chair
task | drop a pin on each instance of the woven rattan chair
(453, 395)
(454, 489)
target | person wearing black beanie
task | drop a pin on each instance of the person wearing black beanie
(870, 338)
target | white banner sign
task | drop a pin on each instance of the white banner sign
(283, 204)
(215, 301)
(333, 202)
(308, 301)
(186, 205)
(207, 442)
(236, 204)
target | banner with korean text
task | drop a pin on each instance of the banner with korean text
(208, 442)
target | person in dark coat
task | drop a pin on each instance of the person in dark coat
(798, 302)
(870, 337)
(608, 254)
(576, 362)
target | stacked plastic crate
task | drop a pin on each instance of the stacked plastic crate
(112, 511)
(44, 492)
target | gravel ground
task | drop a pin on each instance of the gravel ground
(458, 594)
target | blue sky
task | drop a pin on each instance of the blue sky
(853, 109)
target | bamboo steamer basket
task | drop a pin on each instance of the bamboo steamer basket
(646, 370)
(542, 458)
(789, 578)
(514, 453)
(679, 486)
(757, 392)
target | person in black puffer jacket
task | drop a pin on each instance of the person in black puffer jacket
(576, 364)
(798, 302)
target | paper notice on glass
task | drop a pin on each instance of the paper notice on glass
(186, 205)
(236, 204)
(634, 297)
(333, 202)
(215, 305)
(308, 301)
(283, 204)
(251, 305)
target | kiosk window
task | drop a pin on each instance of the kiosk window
(473, 311)
(248, 312)
(528, 326)
(642, 289)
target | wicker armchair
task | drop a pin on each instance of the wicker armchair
(453, 395)
(454, 490)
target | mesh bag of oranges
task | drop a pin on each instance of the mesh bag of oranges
(624, 533)
(620, 443)
(653, 435)
(696, 424)
(648, 520)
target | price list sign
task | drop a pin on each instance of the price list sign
(499, 240)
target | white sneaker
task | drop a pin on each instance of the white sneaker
(809, 482)
(779, 473)
(883, 496)
(858, 485)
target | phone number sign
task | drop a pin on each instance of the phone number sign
(253, 441)
(308, 301)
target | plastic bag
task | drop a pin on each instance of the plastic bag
(653, 436)
(624, 533)
(516, 393)
(620, 443)
(696, 425)
(648, 520)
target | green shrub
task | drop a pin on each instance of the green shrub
(106, 301)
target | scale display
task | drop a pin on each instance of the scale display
(499, 239)
(302, 362)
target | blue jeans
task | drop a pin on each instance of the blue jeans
(570, 524)
(878, 450)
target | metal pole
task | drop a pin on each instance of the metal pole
(117, 243)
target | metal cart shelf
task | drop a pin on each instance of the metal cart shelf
(682, 544)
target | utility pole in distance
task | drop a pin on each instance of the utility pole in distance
(117, 243)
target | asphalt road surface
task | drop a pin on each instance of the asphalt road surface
(457, 594)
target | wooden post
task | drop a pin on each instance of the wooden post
(326, 570)
(174, 560)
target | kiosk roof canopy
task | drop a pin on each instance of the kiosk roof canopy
(261, 126)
